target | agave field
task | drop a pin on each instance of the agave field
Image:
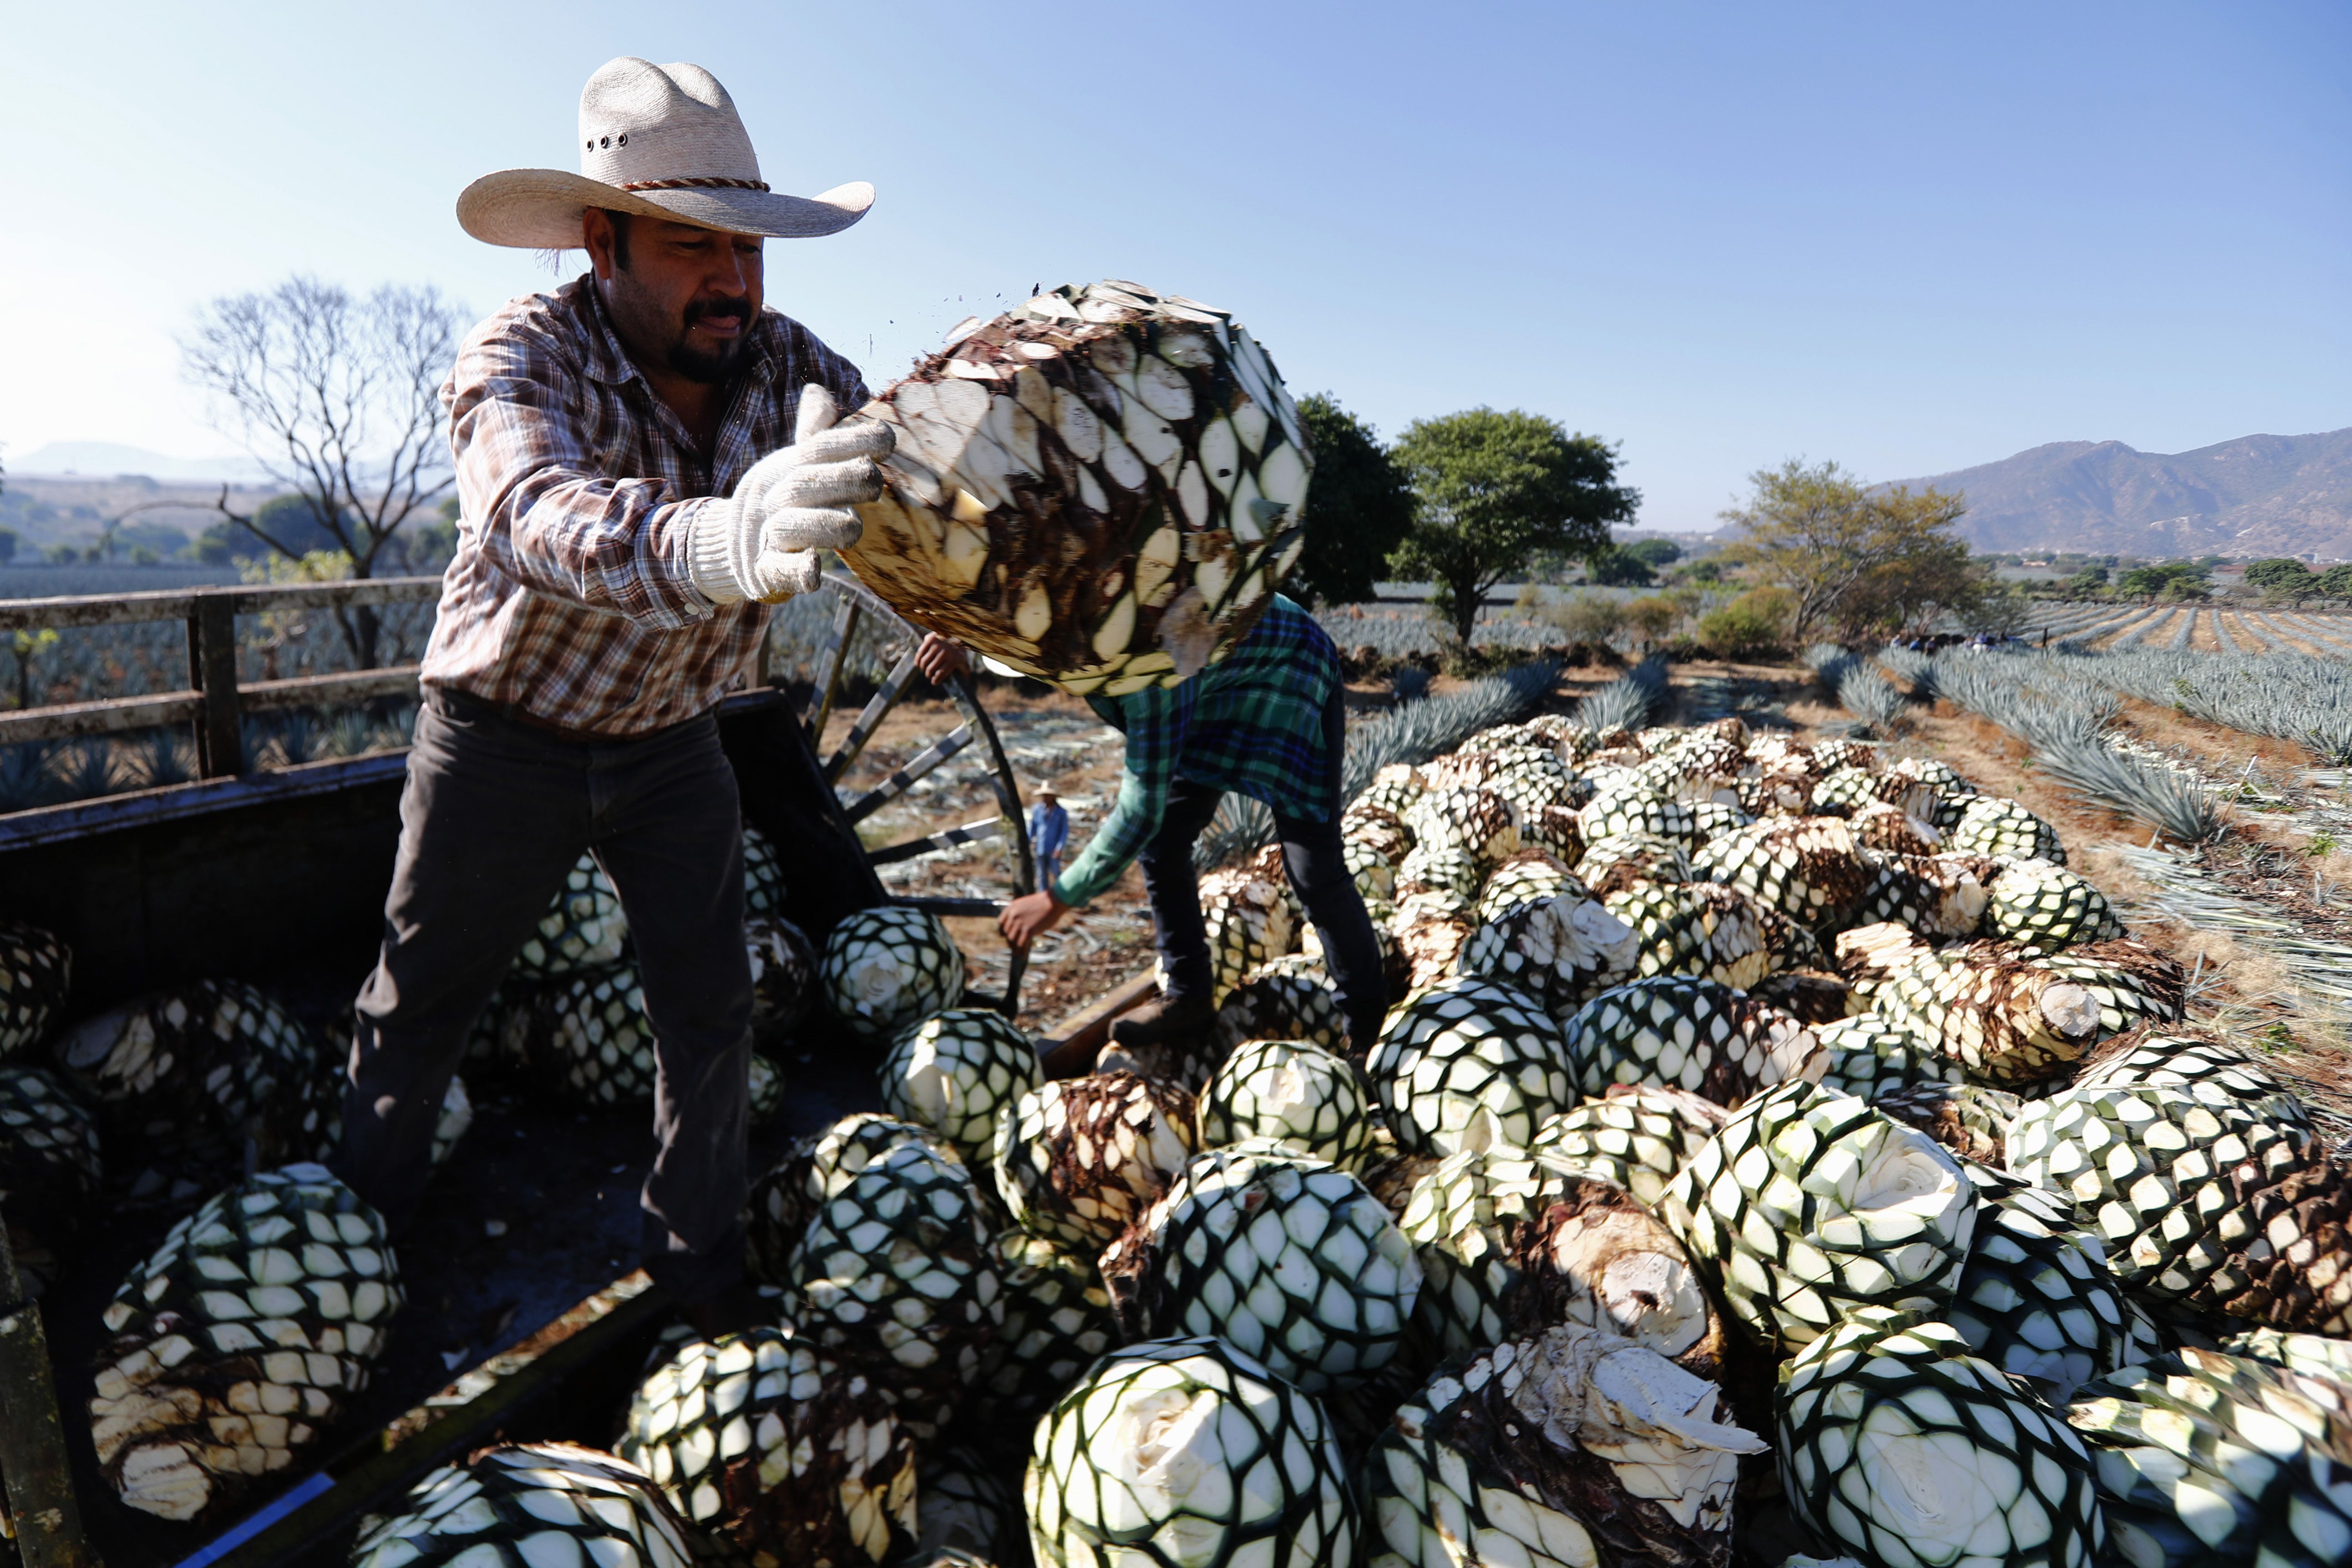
(1771, 1148)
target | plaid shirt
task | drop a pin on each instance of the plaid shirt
(569, 596)
(1252, 723)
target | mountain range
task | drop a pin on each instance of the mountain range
(2258, 495)
(106, 459)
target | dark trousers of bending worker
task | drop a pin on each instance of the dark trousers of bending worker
(1316, 866)
(495, 814)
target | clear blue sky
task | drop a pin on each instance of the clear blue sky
(1908, 238)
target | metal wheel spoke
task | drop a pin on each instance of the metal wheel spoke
(899, 782)
(969, 832)
(828, 667)
(876, 708)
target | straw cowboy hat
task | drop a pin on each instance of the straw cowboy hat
(663, 140)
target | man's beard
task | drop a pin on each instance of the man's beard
(711, 366)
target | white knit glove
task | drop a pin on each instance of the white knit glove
(761, 541)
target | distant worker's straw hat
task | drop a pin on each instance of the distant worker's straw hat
(663, 140)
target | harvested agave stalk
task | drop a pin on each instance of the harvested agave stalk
(1570, 1448)
(1099, 488)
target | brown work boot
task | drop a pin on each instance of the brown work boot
(1164, 1019)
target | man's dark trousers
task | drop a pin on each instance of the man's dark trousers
(495, 813)
(1315, 863)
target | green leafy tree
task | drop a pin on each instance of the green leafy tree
(1358, 507)
(1494, 489)
(1657, 553)
(1620, 568)
(2089, 579)
(1852, 560)
(2281, 577)
(2150, 581)
(2335, 583)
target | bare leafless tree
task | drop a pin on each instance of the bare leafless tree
(340, 399)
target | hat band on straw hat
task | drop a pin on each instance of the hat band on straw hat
(713, 183)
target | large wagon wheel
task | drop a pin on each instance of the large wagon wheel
(855, 601)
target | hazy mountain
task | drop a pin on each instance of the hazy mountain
(2259, 495)
(105, 459)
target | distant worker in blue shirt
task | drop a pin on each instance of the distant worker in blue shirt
(1049, 832)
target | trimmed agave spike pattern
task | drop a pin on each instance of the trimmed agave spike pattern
(1809, 1206)
(811, 1172)
(35, 971)
(1843, 791)
(1432, 931)
(594, 1025)
(1136, 1449)
(2131, 982)
(1527, 875)
(583, 927)
(2314, 1355)
(783, 973)
(1814, 996)
(1711, 820)
(895, 1273)
(1601, 1260)
(1639, 1136)
(1058, 1321)
(1249, 923)
(1099, 488)
(2210, 1206)
(1626, 859)
(1900, 1447)
(1464, 1217)
(1890, 830)
(2047, 907)
(1439, 865)
(1283, 1005)
(1556, 829)
(1393, 789)
(1372, 871)
(1612, 814)
(763, 876)
(1560, 949)
(1303, 1096)
(1809, 869)
(240, 1341)
(529, 1505)
(955, 1072)
(1286, 1258)
(1077, 1160)
(887, 969)
(2007, 1020)
(767, 1444)
(1937, 895)
(1568, 1447)
(1468, 1064)
(1680, 1033)
(2200, 1063)
(1478, 822)
(1865, 1057)
(2209, 1457)
(1989, 825)
(1378, 827)
(1869, 956)
(49, 1168)
(1829, 756)
(190, 1082)
(2037, 1299)
(1780, 788)
(1966, 1118)
(1704, 929)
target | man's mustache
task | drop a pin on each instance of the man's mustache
(740, 305)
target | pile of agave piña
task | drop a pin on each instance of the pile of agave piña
(1775, 1149)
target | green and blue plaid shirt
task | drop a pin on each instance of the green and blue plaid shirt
(1252, 723)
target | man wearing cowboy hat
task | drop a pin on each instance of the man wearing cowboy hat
(646, 457)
